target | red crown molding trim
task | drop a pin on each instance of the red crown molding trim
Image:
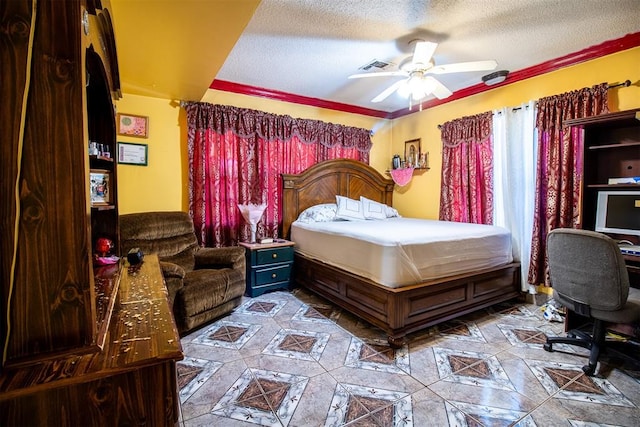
(607, 48)
(227, 86)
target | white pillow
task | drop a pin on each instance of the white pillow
(374, 208)
(319, 213)
(349, 209)
(392, 213)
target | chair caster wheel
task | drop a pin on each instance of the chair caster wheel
(548, 347)
(588, 370)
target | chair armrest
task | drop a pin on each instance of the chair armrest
(171, 270)
(228, 257)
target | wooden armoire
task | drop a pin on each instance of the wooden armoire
(71, 348)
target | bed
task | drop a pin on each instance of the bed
(399, 307)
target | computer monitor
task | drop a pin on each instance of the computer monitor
(618, 212)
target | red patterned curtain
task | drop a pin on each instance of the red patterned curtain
(466, 193)
(236, 156)
(559, 169)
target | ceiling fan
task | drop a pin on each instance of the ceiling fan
(418, 83)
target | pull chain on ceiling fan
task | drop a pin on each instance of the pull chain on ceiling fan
(418, 84)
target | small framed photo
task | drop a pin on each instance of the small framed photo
(412, 152)
(100, 184)
(132, 125)
(132, 154)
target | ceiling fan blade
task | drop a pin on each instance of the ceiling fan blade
(440, 91)
(462, 67)
(379, 74)
(422, 53)
(388, 91)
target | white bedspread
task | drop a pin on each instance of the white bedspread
(401, 251)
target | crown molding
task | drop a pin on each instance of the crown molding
(607, 48)
(227, 86)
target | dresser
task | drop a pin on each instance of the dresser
(130, 381)
(269, 266)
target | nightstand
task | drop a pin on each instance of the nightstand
(268, 266)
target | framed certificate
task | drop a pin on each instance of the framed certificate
(132, 154)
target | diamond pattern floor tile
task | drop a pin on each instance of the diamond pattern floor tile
(294, 356)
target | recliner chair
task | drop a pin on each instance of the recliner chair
(202, 283)
(589, 277)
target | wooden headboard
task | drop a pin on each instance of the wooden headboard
(322, 182)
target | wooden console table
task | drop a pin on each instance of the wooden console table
(131, 381)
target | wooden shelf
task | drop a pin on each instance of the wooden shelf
(615, 186)
(619, 145)
(101, 158)
(418, 170)
(103, 207)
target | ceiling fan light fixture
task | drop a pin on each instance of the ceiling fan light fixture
(415, 82)
(417, 87)
(404, 90)
(495, 77)
(417, 95)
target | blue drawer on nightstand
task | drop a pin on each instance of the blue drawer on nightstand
(274, 255)
(280, 273)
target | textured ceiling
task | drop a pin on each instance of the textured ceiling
(175, 49)
(310, 47)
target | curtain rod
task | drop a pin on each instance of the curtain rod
(625, 83)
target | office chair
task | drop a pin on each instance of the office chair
(589, 277)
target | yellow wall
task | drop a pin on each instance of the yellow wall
(421, 197)
(163, 184)
(157, 186)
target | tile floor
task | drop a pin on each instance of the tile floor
(293, 359)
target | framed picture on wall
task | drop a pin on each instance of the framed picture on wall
(132, 125)
(412, 152)
(132, 154)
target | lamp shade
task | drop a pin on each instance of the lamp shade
(252, 214)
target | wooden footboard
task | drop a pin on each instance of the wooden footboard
(411, 308)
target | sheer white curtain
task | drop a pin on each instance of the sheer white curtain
(514, 157)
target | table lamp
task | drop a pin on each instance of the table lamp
(252, 214)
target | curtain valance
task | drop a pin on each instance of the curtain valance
(553, 110)
(469, 129)
(248, 123)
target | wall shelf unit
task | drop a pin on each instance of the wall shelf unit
(63, 312)
(611, 150)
